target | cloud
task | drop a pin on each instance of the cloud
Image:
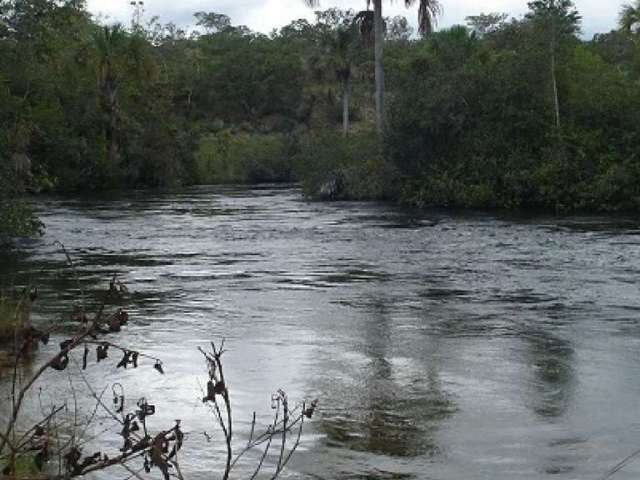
(265, 15)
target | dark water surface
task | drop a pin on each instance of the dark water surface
(441, 346)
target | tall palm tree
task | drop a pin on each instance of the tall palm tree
(428, 12)
(108, 41)
(630, 17)
(340, 45)
(555, 19)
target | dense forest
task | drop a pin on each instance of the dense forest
(498, 113)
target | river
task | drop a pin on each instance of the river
(441, 345)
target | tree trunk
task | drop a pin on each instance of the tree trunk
(554, 87)
(346, 93)
(112, 142)
(112, 127)
(379, 65)
(554, 83)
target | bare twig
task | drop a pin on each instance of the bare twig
(280, 427)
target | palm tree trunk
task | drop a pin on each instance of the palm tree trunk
(346, 94)
(554, 87)
(111, 128)
(554, 82)
(379, 65)
(112, 141)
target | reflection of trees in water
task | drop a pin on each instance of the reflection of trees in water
(553, 383)
(551, 387)
(386, 410)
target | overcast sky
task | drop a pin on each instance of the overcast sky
(265, 15)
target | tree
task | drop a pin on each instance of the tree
(486, 23)
(340, 44)
(16, 217)
(213, 22)
(554, 19)
(630, 17)
(398, 29)
(108, 40)
(428, 11)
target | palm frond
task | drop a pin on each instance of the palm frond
(428, 13)
(364, 22)
(630, 16)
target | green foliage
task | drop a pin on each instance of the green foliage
(630, 17)
(226, 157)
(17, 220)
(471, 119)
(473, 114)
(558, 15)
(16, 216)
(336, 167)
(102, 107)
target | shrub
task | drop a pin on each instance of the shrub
(16, 216)
(226, 157)
(332, 166)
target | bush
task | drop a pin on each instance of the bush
(16, 216)
(332, 166)
(226, 157)
(17, 220)
(442, 190)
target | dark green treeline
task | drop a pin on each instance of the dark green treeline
(500, 113)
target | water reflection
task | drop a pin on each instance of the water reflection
(441, 345)
(553, 384)
(389, 405)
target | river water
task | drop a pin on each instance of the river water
(441, 345)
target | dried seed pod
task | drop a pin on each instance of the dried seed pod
(210, 396)
(124, 361)
(309, 411)
(220, 388)
(158, 367)
(102, 352)
(60, 363)
(145, 409)
(85, 355)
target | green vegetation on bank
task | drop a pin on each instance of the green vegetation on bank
(504, 113)
(16, 216)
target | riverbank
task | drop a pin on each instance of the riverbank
(545, 177)
(471, 118)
